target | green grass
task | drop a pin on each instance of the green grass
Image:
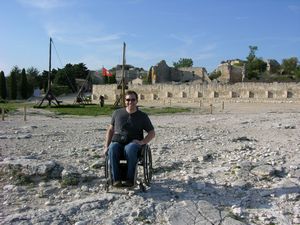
(11, 106)
(89, 109)
(95, 110)
(80, 110)
(165, 110)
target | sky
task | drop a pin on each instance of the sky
(93, 32)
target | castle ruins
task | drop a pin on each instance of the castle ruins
(213, 92)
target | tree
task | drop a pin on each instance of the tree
(105, 79)
(183, 62)
(3, 89)
(80, 71)
(112, 79)
(297, 73)
(69, 73)
(24, 85)
(34, 79)
(289, 66)
(251, 55)
(66, 77)
(254, 66)
(13, 88)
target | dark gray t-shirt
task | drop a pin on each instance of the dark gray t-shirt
(134, 123)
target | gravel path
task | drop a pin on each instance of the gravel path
(240, 165)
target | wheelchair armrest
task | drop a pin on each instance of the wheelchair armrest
(144, 147)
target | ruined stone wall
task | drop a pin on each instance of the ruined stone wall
(188, 93)
(225, 72)
(230, 73)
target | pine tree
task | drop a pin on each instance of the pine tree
(3, 89)
(24, 84)
(13, 85)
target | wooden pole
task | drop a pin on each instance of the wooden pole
(49, 71)
(25, 112)
(211, 108)
(200, 104)
(2, 113)
(123, 77)
(223, 105)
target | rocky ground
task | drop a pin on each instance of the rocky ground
(236, 166)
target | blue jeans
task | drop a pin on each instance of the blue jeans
(129, 152)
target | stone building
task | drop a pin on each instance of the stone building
(136, 81)
(195, 74)
(130, 73)
(232, 71)
(213, 92)
(162, 73)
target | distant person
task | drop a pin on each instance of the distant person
(101, 98)
(124, 138)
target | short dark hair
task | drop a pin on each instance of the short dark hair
(132, 93)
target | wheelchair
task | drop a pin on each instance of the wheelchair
(144, 163)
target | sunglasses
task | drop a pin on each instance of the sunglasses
(130, 100)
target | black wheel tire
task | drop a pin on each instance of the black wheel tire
(147, 166)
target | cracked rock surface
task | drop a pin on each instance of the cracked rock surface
(228, 168)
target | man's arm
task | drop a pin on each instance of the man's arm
(150, 135)
(108, 136)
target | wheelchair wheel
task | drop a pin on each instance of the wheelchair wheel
(107, 174)
(147, 164)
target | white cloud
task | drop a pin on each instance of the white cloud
(187, 40)
(209, 47)
(80, 33)
(294, 8)
(45, 4)
(140, 54)
(135, 1)
(202, 56)
(111, 37)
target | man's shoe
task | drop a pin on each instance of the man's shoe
(117, 183)
(129, 183)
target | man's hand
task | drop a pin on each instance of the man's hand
(138, 142)
(105, 150)
(146, 140)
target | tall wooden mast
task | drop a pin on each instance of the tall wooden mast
(122, 85)
(123, 76)
(49, 71)
(49, 96)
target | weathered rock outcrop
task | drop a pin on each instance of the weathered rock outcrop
(30, 169)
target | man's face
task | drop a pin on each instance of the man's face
(131, 101)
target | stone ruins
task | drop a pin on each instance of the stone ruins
(196, 93)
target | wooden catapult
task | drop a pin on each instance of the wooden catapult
(120, 101)
(49, 96)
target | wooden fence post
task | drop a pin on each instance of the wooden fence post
(25, 113)
(2, 113)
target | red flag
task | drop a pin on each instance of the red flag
(106, 73)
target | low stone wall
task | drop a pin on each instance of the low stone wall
(192, 93)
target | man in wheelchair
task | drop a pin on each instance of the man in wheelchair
(124, 139)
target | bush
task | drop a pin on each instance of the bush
(59, 90)
(2, 100)
(215, 75)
